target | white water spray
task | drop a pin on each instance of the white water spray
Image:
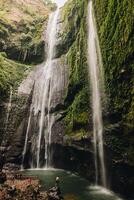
(96, 79)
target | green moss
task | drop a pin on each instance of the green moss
(74, 36)
(75, 135)
(77, 115)
(21, 38)
(115, 22)
(11, 74)
(116, 31)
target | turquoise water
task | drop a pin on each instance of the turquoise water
(72, 186)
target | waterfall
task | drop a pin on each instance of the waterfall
(96, 79)
(49, 88)
(44, 89)
(9, 107)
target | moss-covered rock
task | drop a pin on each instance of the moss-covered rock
(117, 41)
(115, 22)
(73, 39)
(22, 24)
(11, 74)
(21, 29)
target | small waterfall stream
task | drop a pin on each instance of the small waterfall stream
(9, 107)
(26, 139)
(94, 61)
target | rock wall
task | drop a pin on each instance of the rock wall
(74, 41)
(115, 29)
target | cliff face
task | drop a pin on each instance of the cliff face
(74, 41)
(22, 23)
(21, 39)
(115, 22)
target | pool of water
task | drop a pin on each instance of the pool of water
(72, 186)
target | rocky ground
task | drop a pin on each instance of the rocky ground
(15, 186)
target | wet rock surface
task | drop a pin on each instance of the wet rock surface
(55, 194)
(15, 186)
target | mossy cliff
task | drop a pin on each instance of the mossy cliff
(21, 39)
(22, 24)
(115, 22)
(11, 74)
(74, 37)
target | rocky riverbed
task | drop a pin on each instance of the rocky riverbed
(15, 186)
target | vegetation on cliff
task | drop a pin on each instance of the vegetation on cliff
(74, 37)
(22, 24)
(115, 29)
(11, 74)
(117, 41)
(21, 39)
(115, 23)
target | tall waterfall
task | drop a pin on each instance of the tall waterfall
(96, 79)
(48, 92)
(48, 88)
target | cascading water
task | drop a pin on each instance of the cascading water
(48, 91)
(96, 79)
(9, 106)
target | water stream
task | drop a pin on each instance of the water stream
(96, 79)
